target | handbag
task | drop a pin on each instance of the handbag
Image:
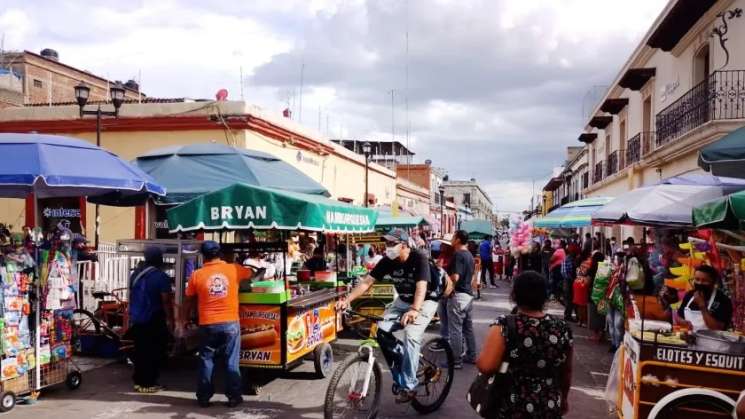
(488, 392)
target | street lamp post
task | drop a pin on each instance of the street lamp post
(366, 151)
(82, 93)
(442, 210)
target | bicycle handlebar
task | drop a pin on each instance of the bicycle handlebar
(367, 316)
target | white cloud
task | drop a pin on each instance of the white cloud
(495, 86)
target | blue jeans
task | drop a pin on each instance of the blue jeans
(442, 310)
(404, 374)
(220, 340)
(460, 326)
(614, 321)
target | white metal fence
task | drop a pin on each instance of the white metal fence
(109, 273)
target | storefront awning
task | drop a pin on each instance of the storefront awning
(725, 157)
(678, 21)
(243, 206)
(389, 221)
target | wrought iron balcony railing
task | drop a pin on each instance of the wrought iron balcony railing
(612, 167)
(721, 96)
(597, 174)
(639, 146)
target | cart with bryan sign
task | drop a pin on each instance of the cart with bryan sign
(284, 320)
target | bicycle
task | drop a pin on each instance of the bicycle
(355, 387)
(109, 319)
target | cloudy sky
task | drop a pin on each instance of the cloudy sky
(496, 88)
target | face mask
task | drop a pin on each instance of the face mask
(393, 252)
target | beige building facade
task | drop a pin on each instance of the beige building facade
(682, 89)
(148, 126)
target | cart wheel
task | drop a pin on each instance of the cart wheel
(7, 401)
(74, 379)
(323, 360)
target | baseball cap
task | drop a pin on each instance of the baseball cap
(210, 248)
(397, 235)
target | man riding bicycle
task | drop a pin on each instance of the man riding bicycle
(409, 270)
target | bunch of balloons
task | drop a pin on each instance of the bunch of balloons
(520, 239)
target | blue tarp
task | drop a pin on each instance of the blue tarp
(193, 170)
(56, 166)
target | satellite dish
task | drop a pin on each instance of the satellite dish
(222, 94)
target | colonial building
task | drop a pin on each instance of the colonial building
(28, 78)
(683, 87)
(385, 153)
(443, 213)
(144, 127)
(412, 198)
(569, 182)
(469, 194)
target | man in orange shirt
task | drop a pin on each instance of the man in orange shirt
(215, 289)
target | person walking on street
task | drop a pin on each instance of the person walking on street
(539, 351)
(214, 289)
(150, 314)
(444, 257)
(460, 304)
(568, 273)
(554, 268)
(547, 252)
(487, 261)
(587, 244)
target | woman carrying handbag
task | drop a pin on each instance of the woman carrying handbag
(526, 364)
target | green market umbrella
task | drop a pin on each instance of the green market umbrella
(386, 220)
(725, 212)
(188, 171)
(477, 229)
(726, 156)
(243, 206)
(575, 214)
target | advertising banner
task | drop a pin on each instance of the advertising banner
(307, 328)
(260, 335)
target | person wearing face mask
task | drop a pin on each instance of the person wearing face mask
(409, 270)
(705, 307)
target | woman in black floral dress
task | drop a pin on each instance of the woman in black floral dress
(539, 353)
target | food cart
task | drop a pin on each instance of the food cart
(664, 370)
(285, 320)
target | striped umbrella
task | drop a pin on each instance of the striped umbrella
(573, 215)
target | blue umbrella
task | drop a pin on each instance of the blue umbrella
(56, 166)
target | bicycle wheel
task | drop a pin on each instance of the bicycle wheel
(435, 374)
(695, 406)
(344, 397)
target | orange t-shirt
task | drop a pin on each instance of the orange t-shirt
(216, 287)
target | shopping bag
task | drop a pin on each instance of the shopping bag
(600, 284)
(635, 277)
(611, 386)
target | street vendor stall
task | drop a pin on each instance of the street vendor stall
(660, 362)
(283, 320)
(478, 229)
(37, 266)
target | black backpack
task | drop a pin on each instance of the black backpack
(437, 281)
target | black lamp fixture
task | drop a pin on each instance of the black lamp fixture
(366, 148)
(82, 94)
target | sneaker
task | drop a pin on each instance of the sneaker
(458, 366)
(405, 396)
(147, 390)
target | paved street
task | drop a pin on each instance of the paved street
(106, 391)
